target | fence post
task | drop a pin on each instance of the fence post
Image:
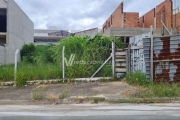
(113, 59)
(63, 66)
(15, 64)
(129, 58)
(128, 61)
(151, 52)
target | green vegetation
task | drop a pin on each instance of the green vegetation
(64, 94)
(38, 94)
(97, 100)
(45, 62)
(150, 89)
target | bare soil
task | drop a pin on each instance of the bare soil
(112, 90)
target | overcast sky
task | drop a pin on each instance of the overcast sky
(79, 14)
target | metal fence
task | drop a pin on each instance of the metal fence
(166, 58)
(137, 52)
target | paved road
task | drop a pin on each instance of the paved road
(91, 112)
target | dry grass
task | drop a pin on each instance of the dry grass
(39, 93)
(64, 94)
(52, 97)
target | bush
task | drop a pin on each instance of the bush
(27, 51)
(45, 62)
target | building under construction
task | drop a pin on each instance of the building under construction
(163, 18)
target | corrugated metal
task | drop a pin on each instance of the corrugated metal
(137, 55)
(166, 58)
(146, 48)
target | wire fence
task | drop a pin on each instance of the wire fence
(44, 65)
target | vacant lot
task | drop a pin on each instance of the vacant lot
(112, 90)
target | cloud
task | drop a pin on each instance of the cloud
(78, 14)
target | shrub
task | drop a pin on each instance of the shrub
(38, 94)
(45, 62)
(64, 94)
(27, 51)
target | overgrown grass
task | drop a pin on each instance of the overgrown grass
(150, 89)
(45, 62)
(28, 71)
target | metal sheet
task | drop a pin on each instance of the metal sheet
(146, 48)
(137, 55)
(166, 58)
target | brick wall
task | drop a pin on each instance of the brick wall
(131, 19)
(176, 22)
(149, 18)
(115, 20)
(166, 9)
(141, 21)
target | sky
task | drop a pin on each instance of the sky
(79, 14)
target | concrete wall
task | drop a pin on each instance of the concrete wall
(2, 55)
(129, 32)
(89, 32)
(3, 4)
(20, 30)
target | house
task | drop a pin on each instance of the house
(49, 36)
(89, 32)
(16, 29)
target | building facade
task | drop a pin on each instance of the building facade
(45, 37)
(162, 12)
(16, 29)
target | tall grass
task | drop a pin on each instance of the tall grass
(150, 89)
(45, 62)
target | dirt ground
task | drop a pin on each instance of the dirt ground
(112, 90)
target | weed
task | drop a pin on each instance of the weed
(137, 78)
(45, 62)
(20, 80)
(64, 94)
(38, 93)
(149, 89)
(97, 100)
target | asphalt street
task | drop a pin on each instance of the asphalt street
(91, 112)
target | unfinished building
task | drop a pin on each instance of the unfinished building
(127, 24)
(16, 29)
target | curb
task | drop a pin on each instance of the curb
(145, 100)
(78, 101)
(15, 102)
